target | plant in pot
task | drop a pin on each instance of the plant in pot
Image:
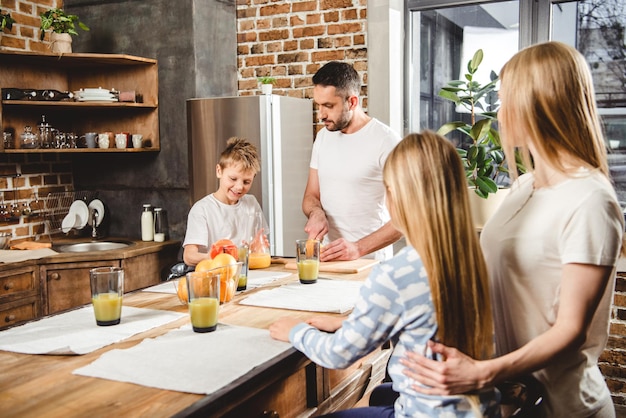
(6, 21)
(63, 25)
(266, 84)
(483, 158)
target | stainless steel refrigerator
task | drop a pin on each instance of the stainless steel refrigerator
(282, 129)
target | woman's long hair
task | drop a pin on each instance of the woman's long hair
(548, 99)
(428, 199)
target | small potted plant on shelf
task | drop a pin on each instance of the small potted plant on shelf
(266, 84)
(483, 157)
(6, 21)
(63, 25)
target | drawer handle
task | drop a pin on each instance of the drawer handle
(9, 318)
(270, 414)
(8, 286)
(55, 276)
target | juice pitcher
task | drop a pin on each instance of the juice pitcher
(259, 256)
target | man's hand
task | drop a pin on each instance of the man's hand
(317, 225)
(340, 249)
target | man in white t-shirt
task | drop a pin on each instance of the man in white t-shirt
(345, 194)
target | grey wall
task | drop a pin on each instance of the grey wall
(195, 43)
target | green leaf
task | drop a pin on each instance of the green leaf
(449, 127)
(486, 184)
(476, 60)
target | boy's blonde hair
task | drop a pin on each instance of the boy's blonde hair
(240, 151)
(428, 201)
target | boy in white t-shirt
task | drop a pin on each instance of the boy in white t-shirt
(227, 213)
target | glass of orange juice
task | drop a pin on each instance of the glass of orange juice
(107, 288)
(203, 288)
(308, 260)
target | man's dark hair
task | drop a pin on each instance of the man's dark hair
(340, 75)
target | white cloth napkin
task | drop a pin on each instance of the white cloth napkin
(257, 278)
(337, 296)
(166, 287)
(187, 361)
(76, 332)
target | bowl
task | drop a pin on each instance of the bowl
(5, 239)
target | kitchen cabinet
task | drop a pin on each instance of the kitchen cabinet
(71, 72)
(20, 298)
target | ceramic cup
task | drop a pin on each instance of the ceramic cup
(308, 260)
(137, 140)
(203, 288)
(103, 140)
(120, 141)
(107, 288)
(91, 138)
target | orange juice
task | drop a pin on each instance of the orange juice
(203, 312)
(259, 260)
(308, 270)
(107, 308)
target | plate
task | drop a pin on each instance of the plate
(80, 209)
(99, 90)
(69, 222)
(97, 205)
(97, 100)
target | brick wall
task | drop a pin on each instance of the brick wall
(291, 40)
(26, 180)
(613, 360)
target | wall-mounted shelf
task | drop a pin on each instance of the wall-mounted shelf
(71, 72)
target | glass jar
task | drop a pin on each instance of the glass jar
(29, 139)
(160, 228)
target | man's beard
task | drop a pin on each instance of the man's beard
(342, 123)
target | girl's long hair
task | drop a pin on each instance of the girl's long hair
(428, 200)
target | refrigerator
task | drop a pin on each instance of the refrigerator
(282, 130)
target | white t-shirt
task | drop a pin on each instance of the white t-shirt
(210, 220)
(350, 172)
(526, 243)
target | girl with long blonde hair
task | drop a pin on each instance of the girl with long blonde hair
(435, 288)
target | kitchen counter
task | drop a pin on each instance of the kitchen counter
(289, 384)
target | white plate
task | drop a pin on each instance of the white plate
(97, 100)
(99, 90)
(69, 222)
(82, 213)
(97, 205)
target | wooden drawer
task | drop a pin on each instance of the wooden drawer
(18, 283)
(22, 310)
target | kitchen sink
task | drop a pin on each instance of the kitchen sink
(81, 247)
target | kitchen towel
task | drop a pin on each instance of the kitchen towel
(76, 332)
(188, 361)
(13, 256)
(336, 296)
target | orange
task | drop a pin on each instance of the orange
(223, 246)
(181, 290)
(222, 264)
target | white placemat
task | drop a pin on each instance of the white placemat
(165, 287)
(337, 296)
(257, 278)
(187, 361)
(76, 332)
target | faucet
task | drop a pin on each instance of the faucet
(94, 223)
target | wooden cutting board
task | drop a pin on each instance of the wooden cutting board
(353, 266)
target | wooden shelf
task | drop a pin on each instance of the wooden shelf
(72, 72)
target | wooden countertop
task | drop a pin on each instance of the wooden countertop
(42, 385)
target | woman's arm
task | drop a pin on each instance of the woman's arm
(582, 287)
(192, 255)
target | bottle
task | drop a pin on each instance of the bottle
(55, 95)
(18, 94)
(159, 225)
(45, 133)
(147, 223)
(29, 139)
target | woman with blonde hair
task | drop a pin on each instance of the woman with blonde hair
(552, 246)
(435, 288)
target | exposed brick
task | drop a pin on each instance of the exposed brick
(307, 44)
(331, 17)
(335, 4)
(296, 57)
(619, 299)
(617, 329)
(344, 28)
(343, 41)
(243, 50)
(327, 56)
(275, 47)
(350, 14)
(12, 42)
(290, 45)
(279, 70)
(621, 314)
(358, 40)
(274, 9)
(295, 69)
(303, 82)
(246, 37)
(247, 84)
(312, 68)
(245, 25)
(264, 24)
(616, 386)
(303, 6)
(247, 12)
(308, 31)
(280, 22)
(620, 284)
(260, 60)
(274, 35)
(296, 21)
(257, 49)
(325, 43)
(247, 72)
(356, 53)
(313, 19)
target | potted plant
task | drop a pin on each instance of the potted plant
(6, 21)
(483, 159)
(266, 84)
(63, 25)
